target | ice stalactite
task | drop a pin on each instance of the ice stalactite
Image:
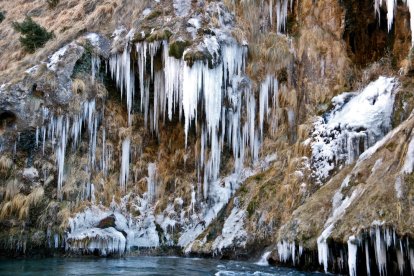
(264, 102)
(352, 255)
(181, 88)
(173, 80)
(391, 252)
(152, 182)
(96, 64)
(391, 9)
(61, 129)
(289, 251)
(122, 72)
(124, 173)
(281, 13)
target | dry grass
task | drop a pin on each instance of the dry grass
(63, 217)
(12, 189)
(68, 20)
(19, 205)
(78, 86)
(5, 164)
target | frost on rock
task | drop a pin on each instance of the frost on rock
(57, 56)
(339, 206)
(88, 233)
(357, 122)
(182, 7)
(233, 233)
(85, 237)
(105, 241)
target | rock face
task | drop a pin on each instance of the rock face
(215, 129)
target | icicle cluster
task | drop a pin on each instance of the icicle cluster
(391, 8)
(61, 129)
(384, 241)
(181, 88)
(289, 251)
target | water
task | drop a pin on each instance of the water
(139, 266)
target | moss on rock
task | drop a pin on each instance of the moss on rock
(177, 48)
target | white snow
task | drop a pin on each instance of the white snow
(409, 157)
(182, 7)
(93, 39)
(30, 173)
(53, 60)
(356, 123)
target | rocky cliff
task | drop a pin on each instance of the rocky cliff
(213, 128)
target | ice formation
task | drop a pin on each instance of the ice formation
(60, 130)
(356, 123)
(181, 88)
(352, 256)
(264, 259)
(288, 251)
(339, 206)
(214, 100)
(233, 233)
(86, 237)
(391, 8)
(385, 244)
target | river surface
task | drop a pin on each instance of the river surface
(139, 266)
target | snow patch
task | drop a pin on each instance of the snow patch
(356, 123)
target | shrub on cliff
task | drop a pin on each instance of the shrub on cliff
(33, 35)
(1, 16)
(52, 3)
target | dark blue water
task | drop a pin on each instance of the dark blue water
(139, 266)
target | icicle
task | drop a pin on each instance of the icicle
(400, 259)
(124, 174)
(56, 239)
(193, 198)
(367, 259)
(37, 137)
(380, 252)
(287, 251)
(121, 71)
(352, 256)
(411, 255)
(264, 103)
(281, 14)
(152, 181)
(192, 81)
(96, 64)
(60, 153)
(173, 79)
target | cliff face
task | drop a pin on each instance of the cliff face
(211, 128)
